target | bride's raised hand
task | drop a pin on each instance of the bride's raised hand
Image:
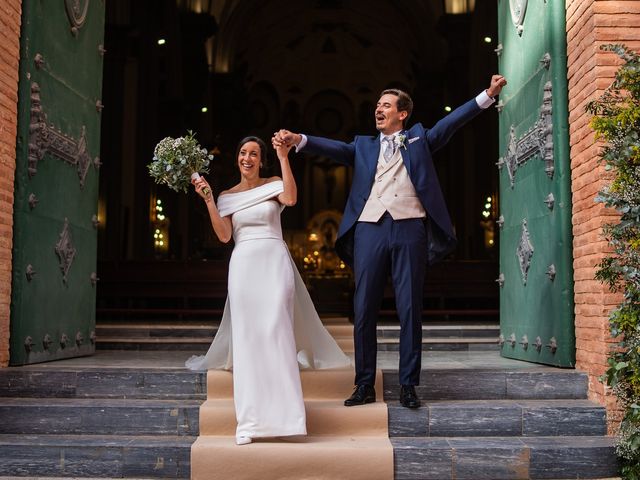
(282, 151)
(203, 188)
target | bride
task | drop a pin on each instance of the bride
(269, 327)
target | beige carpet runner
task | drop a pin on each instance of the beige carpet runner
(342, 443)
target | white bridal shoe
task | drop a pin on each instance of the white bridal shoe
(243, 440)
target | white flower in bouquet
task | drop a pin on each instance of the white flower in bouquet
(177, 160)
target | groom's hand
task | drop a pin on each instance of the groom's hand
(497, 82)
(285, 138)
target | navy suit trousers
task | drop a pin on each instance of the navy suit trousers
(398, 247)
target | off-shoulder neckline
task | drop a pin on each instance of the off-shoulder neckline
(251, 189)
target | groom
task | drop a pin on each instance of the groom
(395, 221)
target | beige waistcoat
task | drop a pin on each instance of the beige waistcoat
(392, 192)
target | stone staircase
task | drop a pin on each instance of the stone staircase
(94, 422)
(529, 423)
(197, 335)
(476, 423)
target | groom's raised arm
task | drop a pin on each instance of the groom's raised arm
(439, 135)
(339, 151)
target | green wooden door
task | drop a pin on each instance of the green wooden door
(536, 274)
(56, 184)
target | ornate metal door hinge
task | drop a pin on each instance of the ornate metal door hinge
(45, 138)
(537, 140)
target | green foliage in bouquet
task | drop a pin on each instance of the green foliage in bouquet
(617, 121)
(176, 159)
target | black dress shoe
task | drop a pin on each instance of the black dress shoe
(361, 395)
(408, 397)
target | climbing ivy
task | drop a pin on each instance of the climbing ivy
(616, 121)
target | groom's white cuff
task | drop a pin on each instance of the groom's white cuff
(484, 100)
(302, 143)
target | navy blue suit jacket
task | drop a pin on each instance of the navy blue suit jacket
(362, 154)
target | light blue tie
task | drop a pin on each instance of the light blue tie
(389, 147)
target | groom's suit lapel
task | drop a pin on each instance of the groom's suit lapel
(404, 151)
(372, 158)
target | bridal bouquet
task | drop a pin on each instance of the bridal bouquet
(177, 160)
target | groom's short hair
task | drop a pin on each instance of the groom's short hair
(404, 103)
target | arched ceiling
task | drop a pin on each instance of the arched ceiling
(357, 46)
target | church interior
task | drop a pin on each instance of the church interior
(231, 68)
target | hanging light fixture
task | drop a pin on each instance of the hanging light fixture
(456, 7)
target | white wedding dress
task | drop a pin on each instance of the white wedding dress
(269, 327)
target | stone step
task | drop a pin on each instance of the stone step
(317, 457)
(95, 456)
(84, 416)
(172, 383)
(446, 330)
(146, 329)
(160, 383)
(196, 344)
(156, 330)
(435, 458)
(197, 336)
(504, 418)
(201, 344)
(489, 384)
(181, 417)
(514, 458)
(443, 344)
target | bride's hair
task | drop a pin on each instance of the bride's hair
(261, 144)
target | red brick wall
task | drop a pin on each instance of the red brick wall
(10, 11)
(591, 23)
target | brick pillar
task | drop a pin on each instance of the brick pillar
(591, 23)
(10, 12)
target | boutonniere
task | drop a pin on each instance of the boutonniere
(399, 141)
